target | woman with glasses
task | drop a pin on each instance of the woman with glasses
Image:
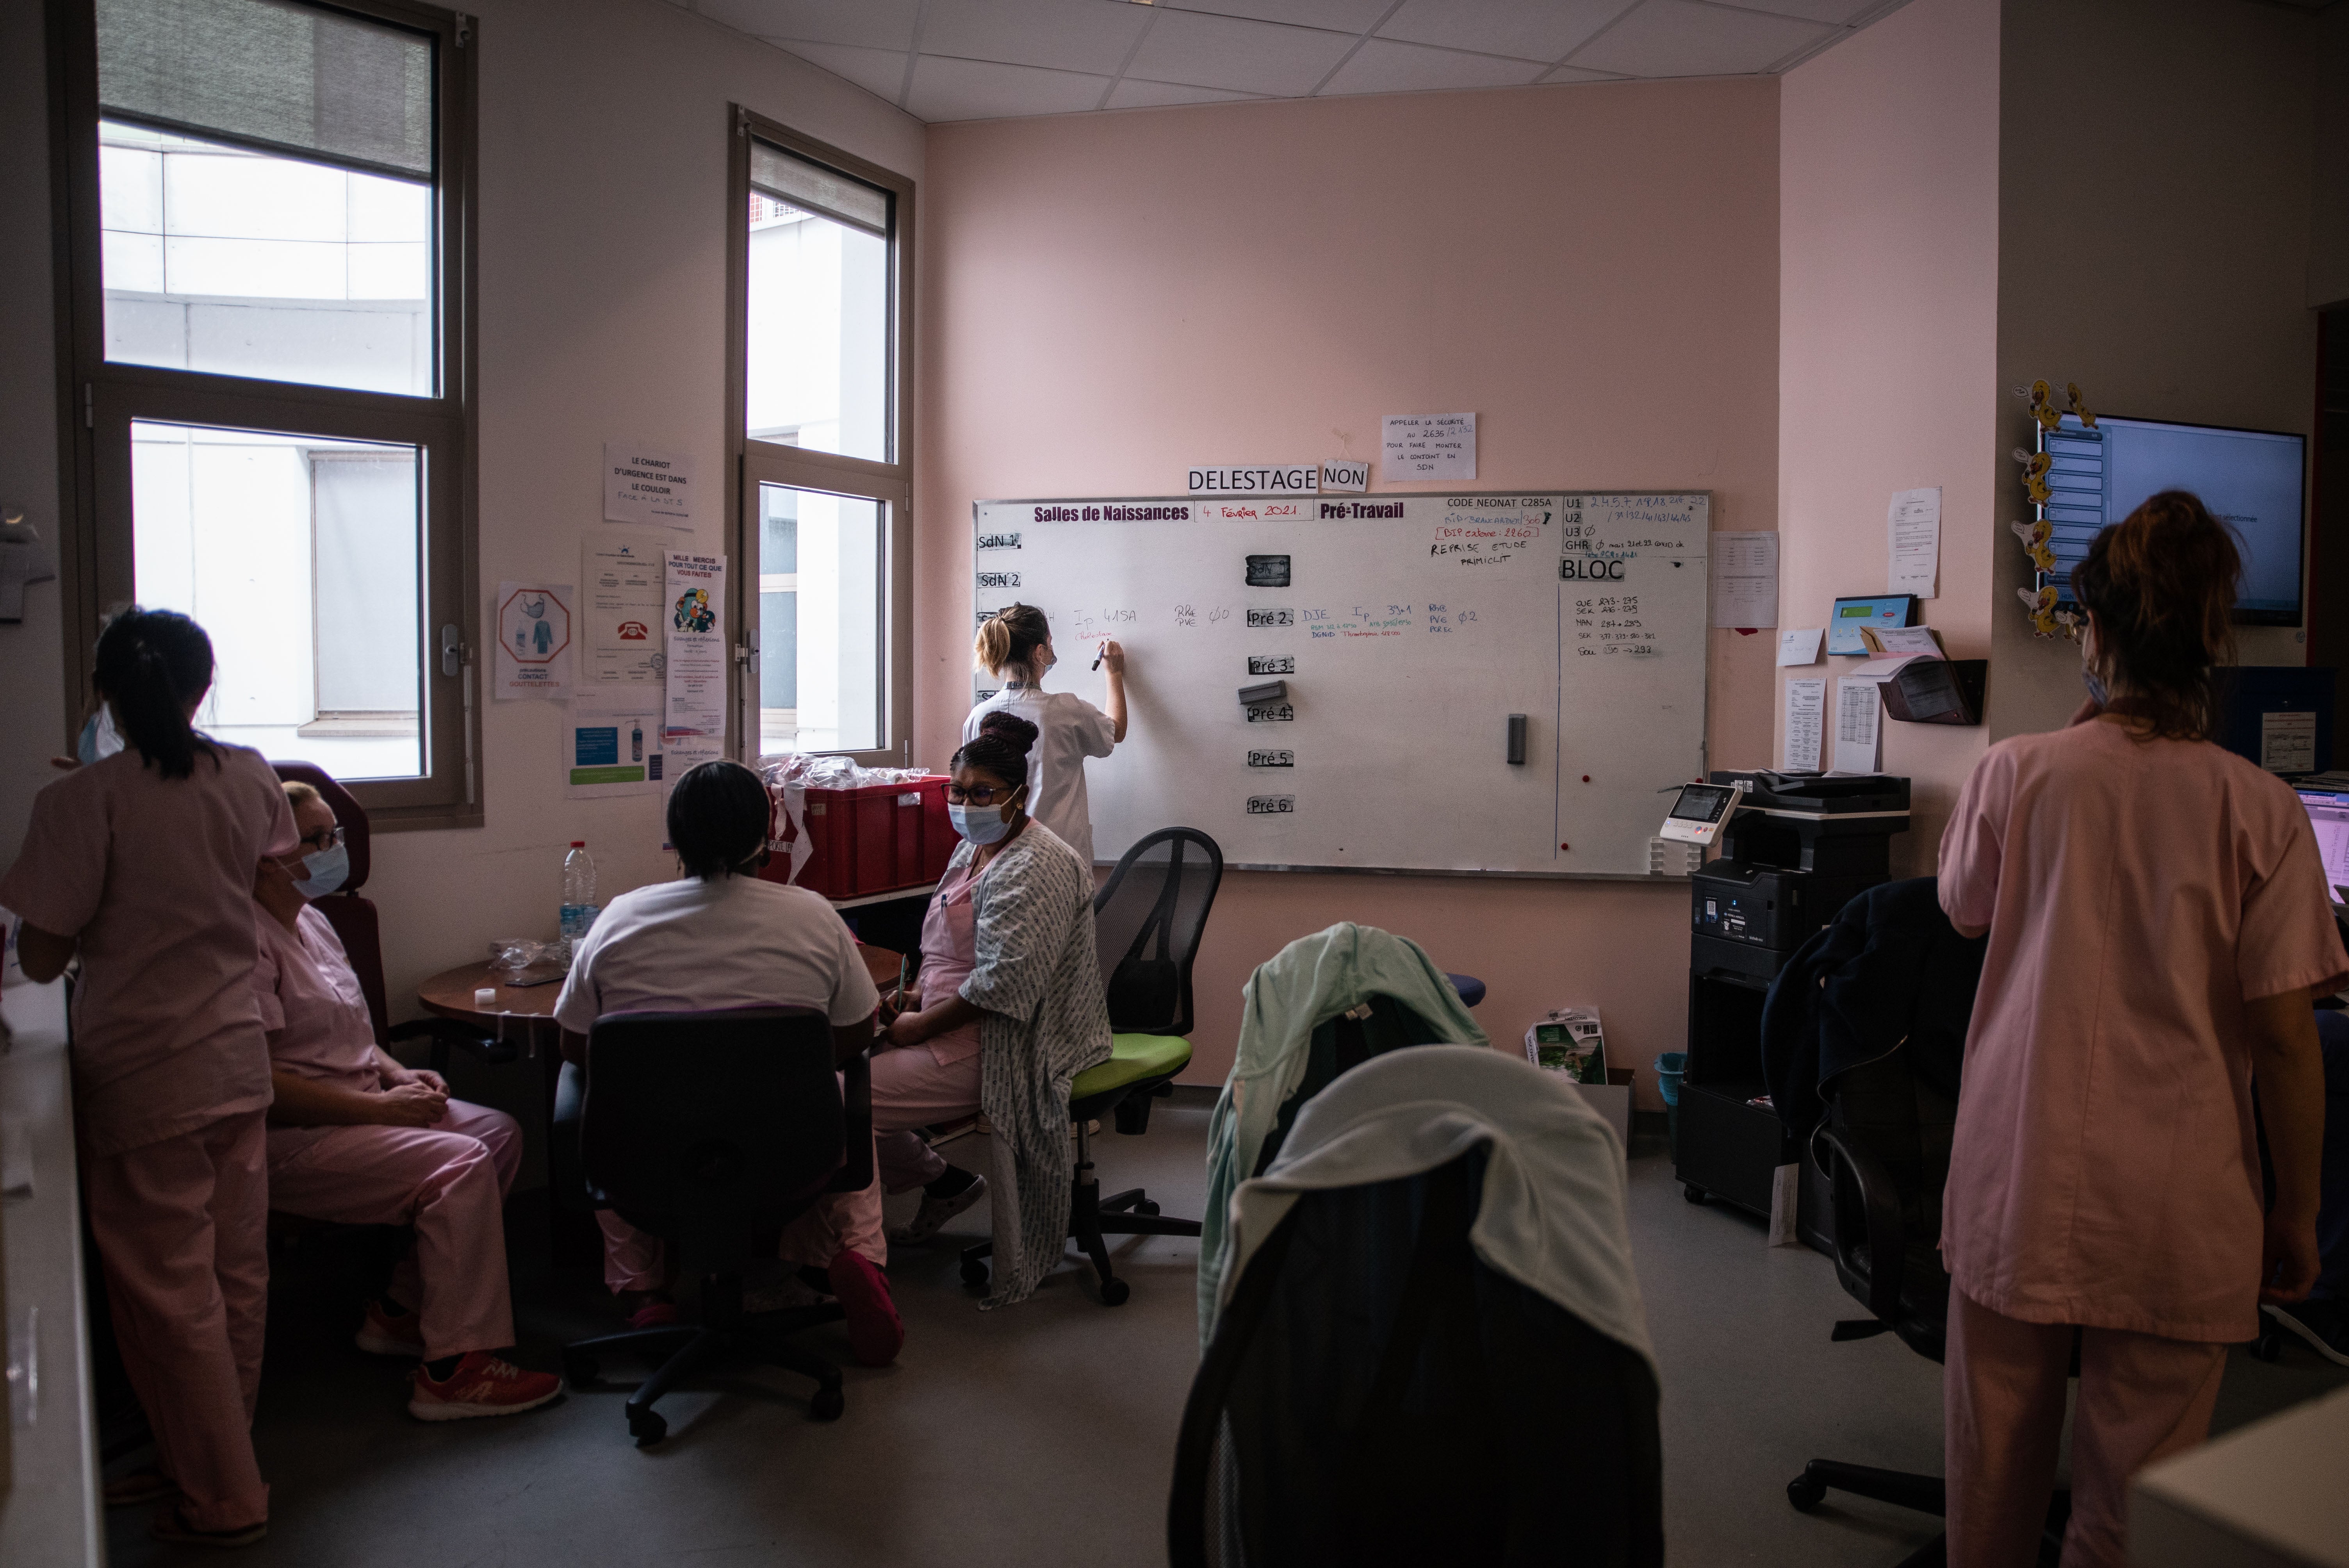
(1009, 1011)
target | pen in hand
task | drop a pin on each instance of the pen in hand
(1099, 654)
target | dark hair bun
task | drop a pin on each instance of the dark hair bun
(1011, 726)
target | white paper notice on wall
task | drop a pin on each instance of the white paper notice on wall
(1429, 446)
(535, 630)
(1745, 568)
(642, 484)
(696, 598)
(2288, 742)
(1859, 725)
(1800, 646)
(1912, 529)
(1806, 720)
(621, 610)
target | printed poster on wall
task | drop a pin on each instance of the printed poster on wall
(642, 484)
(696, 601)
(612, 745)
(535, 629)
(622, 609)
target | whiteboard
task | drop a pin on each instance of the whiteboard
(1408, 629)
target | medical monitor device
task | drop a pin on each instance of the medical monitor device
(2328, 813)
(1878, 609)
(1699, 811)
(2252, 480)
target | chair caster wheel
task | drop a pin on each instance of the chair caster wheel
(580, 1370)
(647, 1428)
(1805, 1494)
(1692, 1192)
(827, 1405)
(974, 1273)
(1145, 1207)
(1114, 1292)
(2269, 1346)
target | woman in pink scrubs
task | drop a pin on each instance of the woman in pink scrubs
(2156, 909)
(142, 864)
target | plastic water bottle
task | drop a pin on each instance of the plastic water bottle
(578, 911)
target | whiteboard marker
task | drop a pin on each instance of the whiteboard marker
(1099, 654)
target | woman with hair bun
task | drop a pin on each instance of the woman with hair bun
(142, 865)
(1010, 1010)
(1014, 646)
(2157, 916)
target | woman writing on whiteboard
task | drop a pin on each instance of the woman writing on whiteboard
(1014, 646)
(2156, 911)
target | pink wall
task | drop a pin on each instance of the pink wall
(1888, 253)
(1592, 269)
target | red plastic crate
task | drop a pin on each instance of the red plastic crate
(868, 840)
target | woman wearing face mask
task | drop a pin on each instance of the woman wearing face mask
(142, 864)
(1014, 646)
(356, 1139)
(1010, 1011)
(2157, 916)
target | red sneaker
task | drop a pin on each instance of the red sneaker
(875, 1333)
(381, 1334)
(480, 1385)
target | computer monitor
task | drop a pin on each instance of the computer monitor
(2250, 479)
(2328, 813)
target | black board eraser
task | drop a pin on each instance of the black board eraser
(1270, 691)
(1517, 752)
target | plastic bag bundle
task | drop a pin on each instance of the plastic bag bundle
(789, 775)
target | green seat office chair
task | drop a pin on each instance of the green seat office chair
(1148, 919)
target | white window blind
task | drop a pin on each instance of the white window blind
(812, 188)
(272, 74)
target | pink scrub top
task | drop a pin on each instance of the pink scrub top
(311, 1004)
(153, 878)
(2137, 895)
(949, 953)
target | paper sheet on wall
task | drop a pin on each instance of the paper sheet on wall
(1428, 447)
(2288, 742)
(612, 745)
(1901, 640)
(1800, 647)
(1745, 568)
(535, 629)
(1912, 529)
(646, 484)
(623, 571)
(1805, 718)
(1859, 725)
(696, 601)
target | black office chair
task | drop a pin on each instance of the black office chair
(1884, 1146)
(708, 1129)
(1148, 919)
(1376, 1394)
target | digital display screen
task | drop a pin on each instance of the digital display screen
(1700, 803)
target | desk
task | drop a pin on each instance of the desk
(2267, 1496)
(50, 1513)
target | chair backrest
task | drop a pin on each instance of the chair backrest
(1375, 1393)
(352, 916)
(701, 1126)
(1148, 919)
(1884, 1146)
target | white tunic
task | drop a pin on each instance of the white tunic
(1069, 729)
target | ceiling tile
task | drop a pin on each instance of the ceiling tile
(1836, 11)
(1249, 56)
(1379, 67)
(1339, 16)
(946, 90)
(1575, 74)
(867, 24)
(881, 71)
(1532, 31)
(1676, 38)
(1064, 34)
(1133, 94)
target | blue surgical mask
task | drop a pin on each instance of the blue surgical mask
(2096, 692)
(983, 825)
(99, 739)
(329, 869)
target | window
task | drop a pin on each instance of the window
(822, 345)
(269, 223)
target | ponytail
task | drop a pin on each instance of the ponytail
(1008, 641)
(152, 665)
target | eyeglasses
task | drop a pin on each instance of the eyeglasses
(983, 795)
(322, 841)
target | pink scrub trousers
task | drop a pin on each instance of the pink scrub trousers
(838, 1222)
(182, 1226)
(448, 1180)
(2142, 1398)
(911, 1088)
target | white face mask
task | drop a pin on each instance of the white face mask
(984, 825)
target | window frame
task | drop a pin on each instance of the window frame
(754, 463)
(99, 400)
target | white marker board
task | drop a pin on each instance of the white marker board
(1408, 628)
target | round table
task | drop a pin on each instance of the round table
(449, 994)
